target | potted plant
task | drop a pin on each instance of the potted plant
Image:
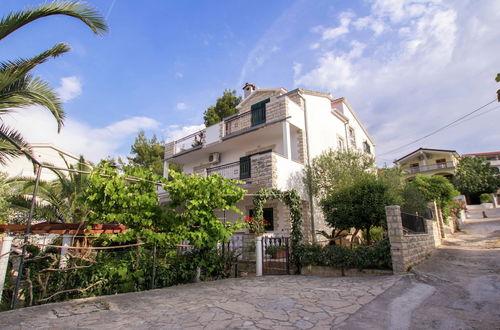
(276, 251)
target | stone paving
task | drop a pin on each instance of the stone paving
(270, 302)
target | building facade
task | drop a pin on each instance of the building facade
(429, 162)
(267, 145)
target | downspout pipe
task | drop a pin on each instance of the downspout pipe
(309, 184)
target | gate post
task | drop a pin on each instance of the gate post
(258, 256)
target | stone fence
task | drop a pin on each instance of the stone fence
(408, 250)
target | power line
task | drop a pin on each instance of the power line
(438, 130)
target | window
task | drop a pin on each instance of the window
(259, 112)
(352, 137)
(441, 163)
(268, 216)
(367, 148)
(245, 168)
(341, 144)
(414, 168)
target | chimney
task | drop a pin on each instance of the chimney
(248, 89)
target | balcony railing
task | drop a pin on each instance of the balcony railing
(189, 142)
(229, 171)
(433, 167)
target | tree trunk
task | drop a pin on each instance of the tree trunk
(368, 237)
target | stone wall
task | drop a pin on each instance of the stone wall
(169, 149)
(263, 171)
(408, 250)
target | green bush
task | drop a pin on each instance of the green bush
(485, 198)
(376, 256)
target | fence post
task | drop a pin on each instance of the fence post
(395, 231)
(66, 241)
(4, 261)
(258, 256)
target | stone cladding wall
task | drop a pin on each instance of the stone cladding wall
(408, 250)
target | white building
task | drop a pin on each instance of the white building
(267, 144)
(44, 153)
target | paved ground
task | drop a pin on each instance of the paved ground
(457, 288)
(269, 302)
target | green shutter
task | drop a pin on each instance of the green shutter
(259, 112)
(245, 171)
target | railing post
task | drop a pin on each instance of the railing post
(4, 261)
(258, 256)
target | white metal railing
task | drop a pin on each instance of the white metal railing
(189, 142)
(432, 167)
(229, 171)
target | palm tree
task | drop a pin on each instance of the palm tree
(18, 88)
(58, 200)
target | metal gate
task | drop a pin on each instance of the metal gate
(276, 256)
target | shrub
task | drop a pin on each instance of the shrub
(377, 256)
(485, 198)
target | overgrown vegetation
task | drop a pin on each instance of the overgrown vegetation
(476, 176)
(361, 257)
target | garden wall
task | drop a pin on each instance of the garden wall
(408, 250)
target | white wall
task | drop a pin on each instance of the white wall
(323, 127)
(296, 113)
(360, 134)
(212, 133)
(289, 175)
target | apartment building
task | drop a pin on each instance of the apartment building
(429, 162)
(275, 133)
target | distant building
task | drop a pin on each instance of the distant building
(429, 162)
(492, 157)
(44, 153)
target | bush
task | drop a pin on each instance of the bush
(485, 198)
(377, 256)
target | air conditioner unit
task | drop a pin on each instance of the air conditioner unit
(214, 158)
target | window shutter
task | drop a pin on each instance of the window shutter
(259, 112)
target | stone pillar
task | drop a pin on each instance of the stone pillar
(4, 260)
(258, 256)
(436, 213)
(63, 262)
(165, 169)
(287, 147)
(395, 231)
(440, 221)
(495, 202)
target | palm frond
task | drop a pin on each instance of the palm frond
(29, 91)
(76, 9)
(7, 150)
(11, 71)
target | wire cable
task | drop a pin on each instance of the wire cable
(438, 130)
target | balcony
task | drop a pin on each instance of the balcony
(229, 171)
(433, 167)
(259, 115)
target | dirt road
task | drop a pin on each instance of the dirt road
(457, 288)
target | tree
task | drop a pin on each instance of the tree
(475, 176)
(225, 106)
(147, 153)
(360, 205)
(19, 88)
(436, 188)
(333, 169)
(59, 200)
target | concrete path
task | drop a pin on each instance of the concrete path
(457, 288)
(270, 302)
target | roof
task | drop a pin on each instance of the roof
(427, 149)
(483, 153)
(65, 228)
(260, 90)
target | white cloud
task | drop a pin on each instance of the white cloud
(181, 106)
(424, 64)
(333, 33)
(71, 87)
(38, 126)
(175, 132)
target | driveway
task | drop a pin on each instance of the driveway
(268, 302)
(457, 288)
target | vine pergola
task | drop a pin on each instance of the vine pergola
(292, 200)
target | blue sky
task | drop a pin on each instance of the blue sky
(407, 67)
